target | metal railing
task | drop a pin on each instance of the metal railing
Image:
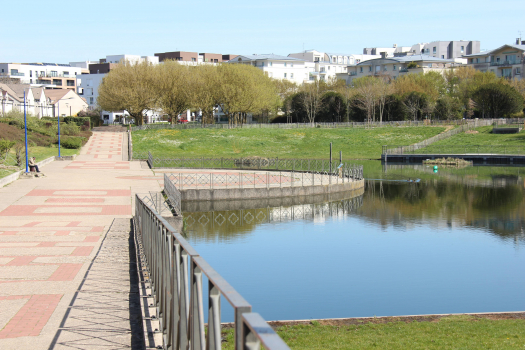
(506, 63)
(398, 123)
(457, 149)
(173, 194)
(320, 166)
(178, 293)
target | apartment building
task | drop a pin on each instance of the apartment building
(439, 49)
(194, 58)
(48, 75)
(279, 67)
(394, 67)
(507, 61)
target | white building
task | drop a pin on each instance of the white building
(279, 67)
(507, 61)
(328, 65)
(48, 75)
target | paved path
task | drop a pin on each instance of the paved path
(51, 229)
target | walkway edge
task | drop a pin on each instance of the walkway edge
(13, 177)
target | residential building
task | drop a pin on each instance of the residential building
(65, 103)
(193, 58)
(279, 67)
(439, 49)
(396, 66)
(48, 75)
(507, 61)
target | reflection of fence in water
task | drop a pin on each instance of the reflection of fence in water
(242, 217)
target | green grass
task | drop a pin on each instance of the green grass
(488, 142)
(453, 332)
(283, 143)
(40, 153)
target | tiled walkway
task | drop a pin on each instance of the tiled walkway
(50, 231)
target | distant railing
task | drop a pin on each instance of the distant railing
(178, 294)
(506, 63)
(321, 166)
(457, 149)
(399, 123)
(173, 194)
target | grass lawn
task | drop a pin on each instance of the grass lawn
(488, 142)
(451, 332)
(283, 143)
(40, 153)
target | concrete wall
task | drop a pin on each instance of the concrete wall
(272, 192)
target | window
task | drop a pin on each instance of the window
(443, 56)
(370, 68)
(2, 70)
(42, 74)
(57, 82)
(31, 74)
(91, 100)
(361, 70)
(430, 65)
(66, 73)
(291, 75)
(291, 64)
(285, 75)
(193, 59)
(70, 83)
(54, 73)
(384, 68)
(477, 60)
(394, 67)
(270, 64)
(434, 50)
(518, 70)
(462, 49)
(285, 64)
(262, 64)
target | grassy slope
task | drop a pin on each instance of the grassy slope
(484, 137)
(454, 332)
(294, 143)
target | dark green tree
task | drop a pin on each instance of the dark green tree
(497, 100)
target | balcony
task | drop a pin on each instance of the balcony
(505, 63)
(403, 70)
(352, 73)
(18, 74)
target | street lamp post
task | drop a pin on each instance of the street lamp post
(25, 129)
(58, 108)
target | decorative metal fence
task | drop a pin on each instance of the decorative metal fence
(457, 149)
(178, 293)
(173, 194)
(345, 170)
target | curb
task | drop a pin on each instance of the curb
(15, 176)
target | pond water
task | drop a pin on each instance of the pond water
(451, 243)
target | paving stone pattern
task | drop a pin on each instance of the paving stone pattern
(64, 279)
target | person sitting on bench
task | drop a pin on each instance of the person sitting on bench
(32, 165)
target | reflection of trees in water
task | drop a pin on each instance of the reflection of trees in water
(233, 224)
(498, 209)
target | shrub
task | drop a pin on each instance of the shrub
(71, 142)
(79, 121)
(5, 146)
(69, 129)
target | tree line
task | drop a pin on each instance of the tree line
(240, 89)
(173, 88)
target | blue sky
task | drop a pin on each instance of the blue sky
(64, 31)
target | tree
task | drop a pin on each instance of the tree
(448, 107)
(311, 98)
(415, 102)
(203, 90)
(334, 107)
(383, 90)
(172, 86)
(497, 100)
(366, 95)
(130, 87)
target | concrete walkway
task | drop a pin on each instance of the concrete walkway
(51, 229)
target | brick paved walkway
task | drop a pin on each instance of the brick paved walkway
(50, 230)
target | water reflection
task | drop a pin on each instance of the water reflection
(244, 216)
(493, 207)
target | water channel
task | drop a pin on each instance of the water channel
(413, 242)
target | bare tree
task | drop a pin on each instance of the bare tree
(366, 96)
(311, 98)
